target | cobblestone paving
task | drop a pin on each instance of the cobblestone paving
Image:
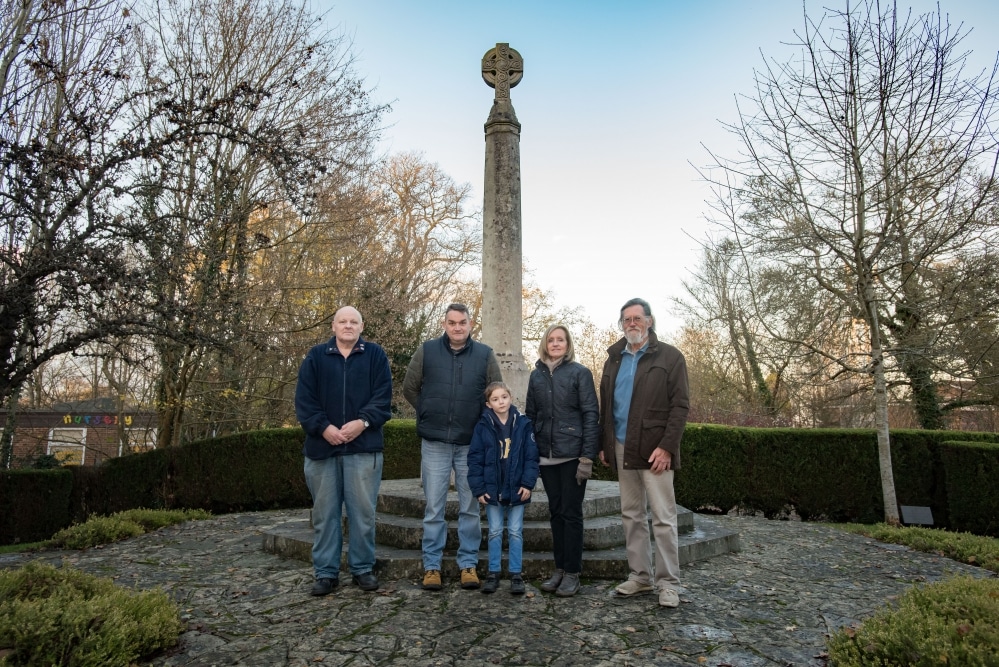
(771, 604)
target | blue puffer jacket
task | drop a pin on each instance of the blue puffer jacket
(334, 390)
(486, 470)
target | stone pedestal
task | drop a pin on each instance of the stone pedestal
(399, 532)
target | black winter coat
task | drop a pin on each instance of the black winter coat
(563, 407)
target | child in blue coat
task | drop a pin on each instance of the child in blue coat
(502, 472)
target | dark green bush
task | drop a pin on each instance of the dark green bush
(134, 480)
(255, 470)
(829, 474)
(954, 622)
(33, 504)
(971, 471)
(713, 474)
(402, 450)
(52, 616)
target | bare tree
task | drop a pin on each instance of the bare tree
(69, 150)
(428, 239)
(756, 367)
(304, 116)
(396, 242)
(865, 161)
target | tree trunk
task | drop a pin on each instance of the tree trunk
(881, 417)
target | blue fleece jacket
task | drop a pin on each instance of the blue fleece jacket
(334, 390)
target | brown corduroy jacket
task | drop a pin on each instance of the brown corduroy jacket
(659, 404)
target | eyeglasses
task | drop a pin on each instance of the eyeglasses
(634, 320)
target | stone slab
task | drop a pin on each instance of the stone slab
(293, 539)
(772, 604)
(404, 497)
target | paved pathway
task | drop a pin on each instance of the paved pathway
(771, 604)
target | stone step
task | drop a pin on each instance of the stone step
(404, 498)
(602, 532)
(405, 532)
(707, 539)
(399, 531)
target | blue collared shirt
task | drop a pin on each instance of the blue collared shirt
(624, 385)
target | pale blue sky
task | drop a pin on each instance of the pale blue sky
(616, 101)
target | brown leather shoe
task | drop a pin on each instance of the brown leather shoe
(432, 580)
(469, 578)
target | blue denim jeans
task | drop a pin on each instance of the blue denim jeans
(438, 460)
(350, 481)
(514, 515)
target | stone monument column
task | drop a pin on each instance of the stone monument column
(502, 264)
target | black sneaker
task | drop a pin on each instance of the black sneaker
(516, 584)
(324, 586)
(367, 581)
(491, 583)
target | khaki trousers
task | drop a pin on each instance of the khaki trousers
(641, 490)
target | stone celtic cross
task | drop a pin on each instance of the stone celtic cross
(502, 69)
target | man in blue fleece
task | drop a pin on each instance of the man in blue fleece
(343, 397)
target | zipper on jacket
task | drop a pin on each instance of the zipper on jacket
(551, 405)
(343, 394)
(455, 377)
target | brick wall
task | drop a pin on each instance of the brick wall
(78, 438)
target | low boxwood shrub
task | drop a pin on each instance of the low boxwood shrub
(953, 622)
(120, 526)
(967, 548)
(51, 616)
(94, 531)
(152, 520)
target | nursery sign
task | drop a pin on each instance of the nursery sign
(96, 420)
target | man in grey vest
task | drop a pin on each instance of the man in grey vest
(444, 382)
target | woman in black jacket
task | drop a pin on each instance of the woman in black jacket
(562, 404)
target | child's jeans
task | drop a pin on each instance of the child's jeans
(514, 515)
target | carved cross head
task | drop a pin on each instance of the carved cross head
(502, 69)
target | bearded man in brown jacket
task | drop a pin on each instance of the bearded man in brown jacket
(643, 410)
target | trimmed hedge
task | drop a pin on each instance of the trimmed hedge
(34, 504)
(829, 474)
(822, 474)
(970, 472)
(251, 471)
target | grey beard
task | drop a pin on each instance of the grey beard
(634, 338)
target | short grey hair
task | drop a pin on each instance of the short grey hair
(359, 316)
(646, 308)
